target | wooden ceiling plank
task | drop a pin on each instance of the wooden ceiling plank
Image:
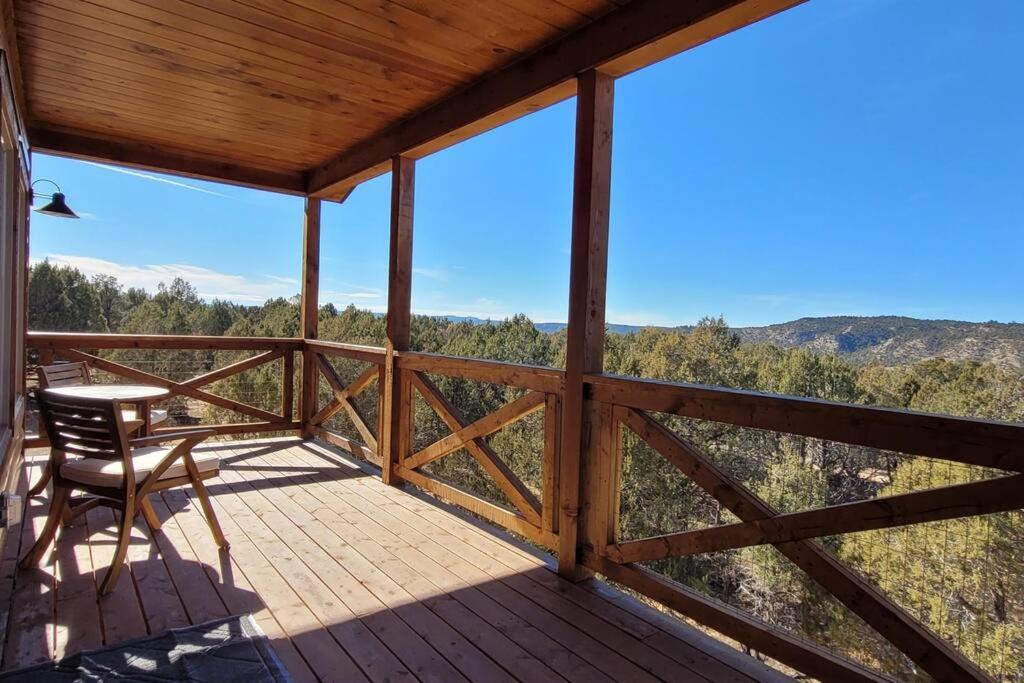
(255, 136)
(554, 14)
(592, 8)
(231, 149)
(151, 158)
(115, 48)
(98, 83)
(606, 43)
(184, 20)
(327, 126)
(232, 157)
(172, 85)
(131, 34)
(233, 16)
(499, 24)
(394, 23)
(173, 136)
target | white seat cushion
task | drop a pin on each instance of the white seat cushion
(156, 415)
(97, 472)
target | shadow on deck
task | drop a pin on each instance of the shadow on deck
(350, 579)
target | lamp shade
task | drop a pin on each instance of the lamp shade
(57, 207)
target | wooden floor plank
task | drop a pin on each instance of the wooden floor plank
(78, 625)
(322, 653)
(327, 525)
(442, 652)
(197, 593)
(691, 659)
(350, 580)
(120, 610)
(30, 629)
(231, 584)
(158, 595)
(566, 634)
(281, 542)
(383, 529)
(9, 557)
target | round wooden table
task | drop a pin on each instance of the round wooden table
(139, 394)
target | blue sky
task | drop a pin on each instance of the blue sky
(858, 157)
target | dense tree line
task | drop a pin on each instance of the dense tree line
(963, 578)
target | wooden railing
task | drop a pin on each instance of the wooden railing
(90, 348)
(628, 403)
(616, 405)
(532, 516)
(342, 398)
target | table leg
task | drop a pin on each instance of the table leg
(147, 423)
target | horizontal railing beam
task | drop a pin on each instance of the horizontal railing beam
(88, 340)
(536, 377)
(367, 354)
(976, 442)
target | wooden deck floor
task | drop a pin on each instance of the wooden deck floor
(350, 579)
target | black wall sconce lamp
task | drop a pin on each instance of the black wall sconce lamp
(57, 206)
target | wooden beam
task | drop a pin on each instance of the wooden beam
(175, 387)
(792, 650)
(343, 399)
(150, 157)
(976, 442)
(51, 341)
(535, 377)
(587, 281)
(948, 502)
(933, 654)
(478, 506)
(640, 33)
(343, 394)
(309, 312)
(366, 354)
(397, 422)
(232, 369)
(501, 474)
(488, 424)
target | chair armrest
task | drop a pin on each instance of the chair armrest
(171, 436)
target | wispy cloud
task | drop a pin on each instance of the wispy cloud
(441, 274)
(283, 280)
(157, 179)
(210, 284)
(333, 295)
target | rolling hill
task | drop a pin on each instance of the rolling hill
(889, 340)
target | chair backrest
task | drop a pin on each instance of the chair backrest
(90, 427)
(64, 375)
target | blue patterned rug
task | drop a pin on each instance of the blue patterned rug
(231, 650)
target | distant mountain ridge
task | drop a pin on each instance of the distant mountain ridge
(889, 340)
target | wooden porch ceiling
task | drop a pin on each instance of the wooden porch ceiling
(314, 96)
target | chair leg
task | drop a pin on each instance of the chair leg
(124, 537)
(149, 514)
(44, 479)
(204, 501)
(53, 520)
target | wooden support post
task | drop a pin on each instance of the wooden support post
(309, 313)
(397, 421)
(587, 277)
(287, 384)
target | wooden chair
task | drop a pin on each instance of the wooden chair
(77, 374)
(115, 471)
